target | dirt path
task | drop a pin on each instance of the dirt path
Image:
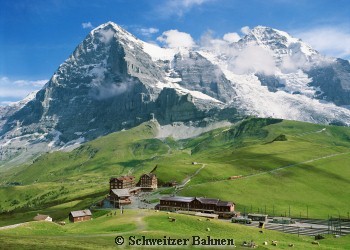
(293, 165)
(12, 226)
(283, 167)
(311, 132)
(188, 179)
(140, 224)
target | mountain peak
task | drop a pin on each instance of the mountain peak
(111, 29)
(278, 40)
(109, 25)
(263, 33)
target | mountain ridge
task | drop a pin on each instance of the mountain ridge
(114, 81)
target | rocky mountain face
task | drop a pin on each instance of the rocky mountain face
(333, 80)
(114, 81)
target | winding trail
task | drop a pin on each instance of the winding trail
(12, 226)
(188, 179)
(279, 168)
(293, 165)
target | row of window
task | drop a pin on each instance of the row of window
(187, 205)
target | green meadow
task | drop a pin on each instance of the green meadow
(262, 165)
(100, 233)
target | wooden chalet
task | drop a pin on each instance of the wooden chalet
(148, 182)
(42, 217)
(81, 215)
(119, 197)
(122, 182)
(199, 204)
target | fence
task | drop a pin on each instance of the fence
(310, 227)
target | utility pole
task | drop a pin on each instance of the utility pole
(289, 211)
(328, 224)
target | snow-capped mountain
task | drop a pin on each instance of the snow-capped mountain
(114, 81)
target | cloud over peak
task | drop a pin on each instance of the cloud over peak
(176, 39)
(329, 40)
(231, 37)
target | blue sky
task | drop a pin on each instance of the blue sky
(36, 36)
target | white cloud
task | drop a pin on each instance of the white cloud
(148, 31)
(247, 60)
(108, 90)
(253, 59)
(87, 25)
(217, 45)
(178, 7)
(175, 39)
(245, 30)
(18, 89)
(231, 37)
(38, 83)
(106, 35)
(331, 41)
(5, 103)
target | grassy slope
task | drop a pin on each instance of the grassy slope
(310, 184)
(101, 231)
(79, 178)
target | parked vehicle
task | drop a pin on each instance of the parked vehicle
(241, 219)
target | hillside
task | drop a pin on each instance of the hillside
(288, 167)
(103, 229)
(282, 165)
